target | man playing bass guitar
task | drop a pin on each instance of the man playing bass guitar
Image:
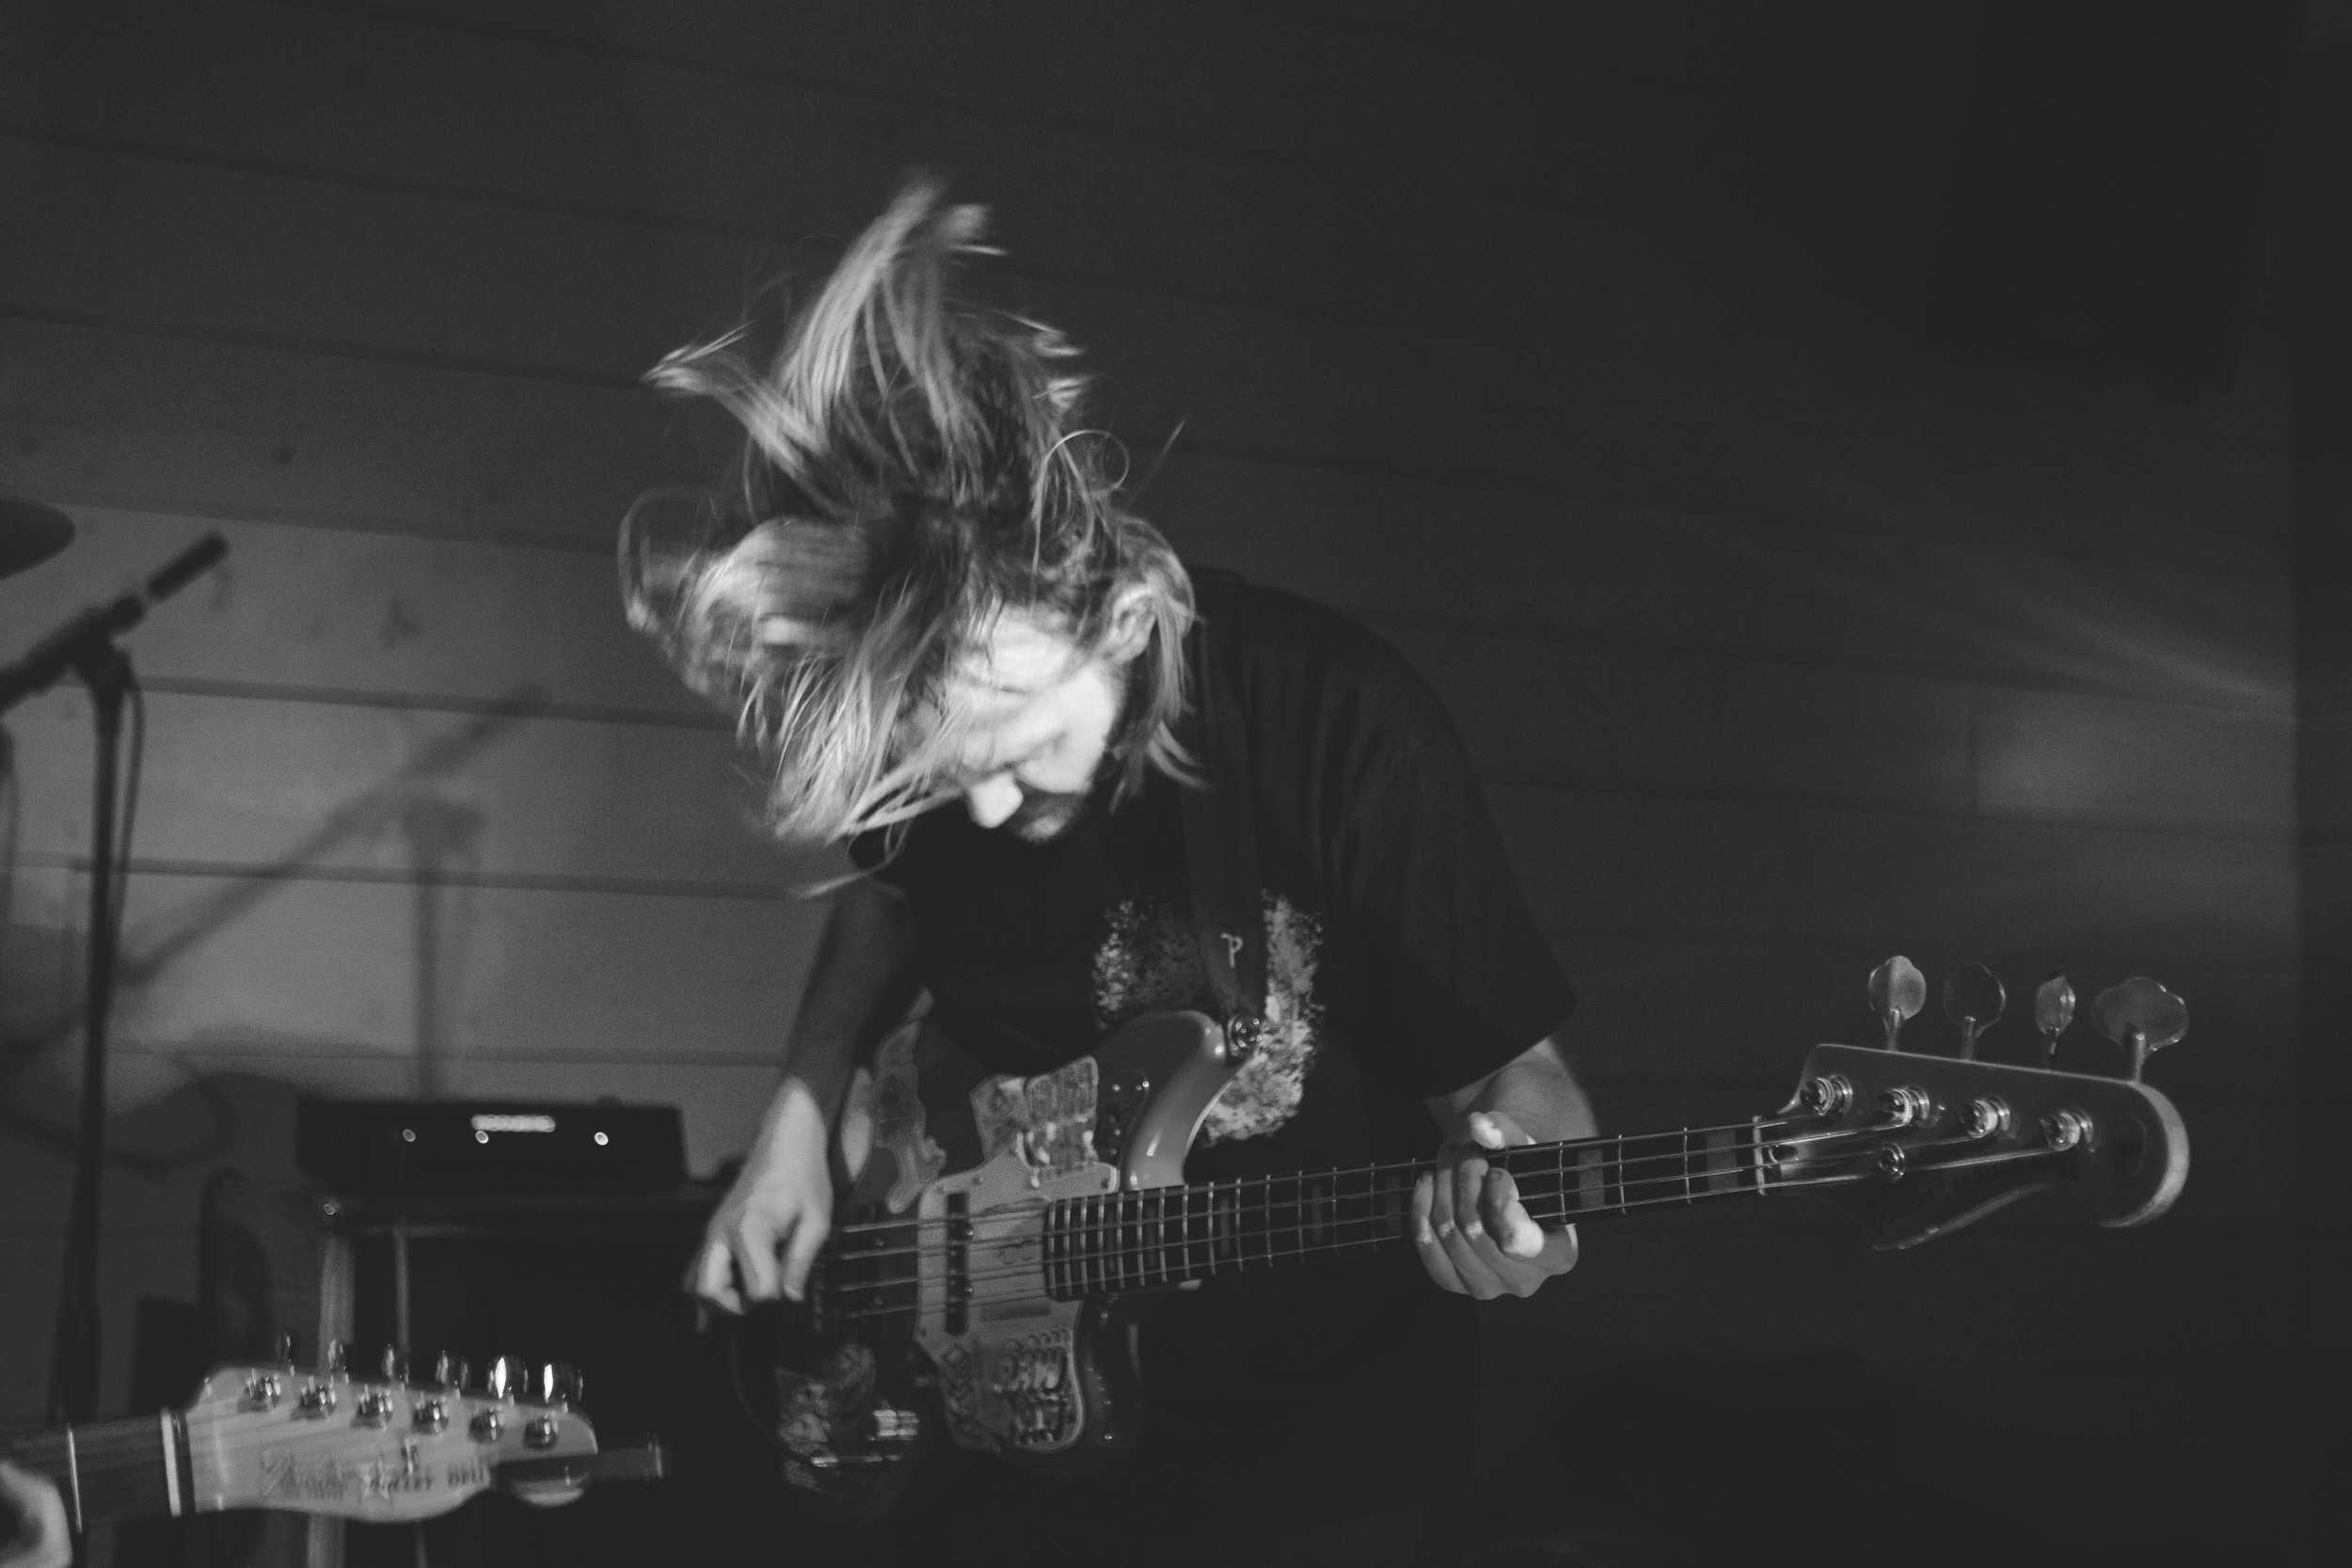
(959, 654)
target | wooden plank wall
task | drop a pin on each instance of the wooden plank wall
(1784, 643)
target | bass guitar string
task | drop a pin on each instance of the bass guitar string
(1720, 1162)
(1387, 1232)
(1375, 1228)
(1531, 1152)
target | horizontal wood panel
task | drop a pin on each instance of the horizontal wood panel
(289, 788)
(168, 424)
(1405, 551)
(522, 972)
(2092, 759)
(1626, 866)
(1621, 718)
(424, 975)
(1280, 88)
(511, 630)
(356, 92)
(1387, 549)
(563, 296)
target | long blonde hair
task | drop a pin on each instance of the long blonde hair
(913, 466)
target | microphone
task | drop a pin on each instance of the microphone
(89, 635)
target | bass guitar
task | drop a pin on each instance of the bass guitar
(971, 1289)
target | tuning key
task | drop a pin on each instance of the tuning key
(337, 1362)
(1973, 1000)
(2053, 1010)
(510, 1378)
(1898, 992)
(286, 1346)
(394, 1364)
(2140, 1016)
(559, 1385)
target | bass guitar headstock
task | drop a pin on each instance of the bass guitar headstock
(386, 1449)
(1923, 1146)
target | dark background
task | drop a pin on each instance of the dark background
(1868, 478)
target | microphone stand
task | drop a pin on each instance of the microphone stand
(85, 646)
(73, 1373)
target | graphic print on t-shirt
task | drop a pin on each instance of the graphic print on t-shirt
(1149, 961)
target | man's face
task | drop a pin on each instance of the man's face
(1037, 717)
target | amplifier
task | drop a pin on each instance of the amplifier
(449, 1148)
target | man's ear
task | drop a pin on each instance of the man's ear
(1129, 624)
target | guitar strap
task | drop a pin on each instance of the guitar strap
(1221, 826)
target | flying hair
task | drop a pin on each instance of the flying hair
(913, 466)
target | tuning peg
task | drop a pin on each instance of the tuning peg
(2140, 1016)
(1972, 999)
(2053, 1010)
(509, 1377)
(286, 1346)
(337, 1362)
(559, 1385)
(451, 1372)
(1898, 992)
(396, 1364)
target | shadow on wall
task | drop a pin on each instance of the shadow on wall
(42, 1010)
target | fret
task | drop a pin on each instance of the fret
(1106, 1239)
(1149, 1239)
(1154, 1222)
(1130, 1240)
(110, 1470)
(1117, 1205)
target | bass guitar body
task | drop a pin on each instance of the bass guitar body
(958, 1304)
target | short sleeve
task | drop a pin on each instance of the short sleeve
(1462, 978)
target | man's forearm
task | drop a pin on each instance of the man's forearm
(859, 985)
(1537, 1090)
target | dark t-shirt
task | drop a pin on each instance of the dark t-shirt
(1402, 963)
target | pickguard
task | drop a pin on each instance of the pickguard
(973, 1160)
(1005, 1353)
